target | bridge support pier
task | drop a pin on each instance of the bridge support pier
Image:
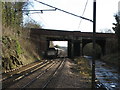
(70, 49)
(76, 48)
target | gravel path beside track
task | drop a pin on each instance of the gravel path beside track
(68, 78)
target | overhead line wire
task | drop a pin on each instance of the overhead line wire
(31, 19)
(38, 14)
(83, 13)
(65, 11)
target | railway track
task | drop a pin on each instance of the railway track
(42, 73)
(13, 78)
(53, 74)
(10, 74)
(45, 77)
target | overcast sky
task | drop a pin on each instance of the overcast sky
(62, 21)
(106, 9)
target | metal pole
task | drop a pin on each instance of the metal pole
(94, 32)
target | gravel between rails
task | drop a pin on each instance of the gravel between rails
(19, 76)
(20, 69)
(39, 83)
(28, 78)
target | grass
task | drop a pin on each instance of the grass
(83, 66)
(84, 70)
(18, 48)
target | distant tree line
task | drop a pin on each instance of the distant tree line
(116, 28)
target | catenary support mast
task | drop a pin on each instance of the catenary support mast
(94, 32)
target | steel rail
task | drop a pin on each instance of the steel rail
(38, 76)
(27, 69)
(21, 76)
(53, 74)
(42, 73)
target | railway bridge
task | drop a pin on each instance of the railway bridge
(76, 39)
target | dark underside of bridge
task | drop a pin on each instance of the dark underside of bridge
(73, 48)
(76, 39)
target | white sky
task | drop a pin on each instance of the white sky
(62, 21)
(61, 43)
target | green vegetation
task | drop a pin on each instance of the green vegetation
(82, 69)
(11, 14)
(17, 47)
(57, 46)
(51, 44)
(113, 45)
(112, 59)
(11, 53)
(83, 66)
(88, 50)
(116, 28)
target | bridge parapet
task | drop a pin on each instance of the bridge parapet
(70, 33)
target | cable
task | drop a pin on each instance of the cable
(83, 13)
(39, 15)
(31, 18)
(64, 11)
(40, 10)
